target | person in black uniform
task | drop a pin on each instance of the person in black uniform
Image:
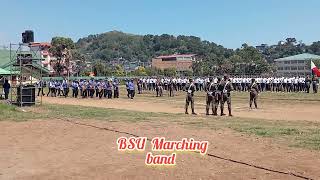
(315, 84)
(217, 96)
(308, 83)
(116, 88)
(254, 91)
(225, 87)
(210, 96)
(6, 88)
(190, 89)
(159, 88)
(171, 87)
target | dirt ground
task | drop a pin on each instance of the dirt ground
(268, 110)
(58, 149)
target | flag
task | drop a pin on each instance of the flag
(315, 70)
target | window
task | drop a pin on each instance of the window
(280, 68)
(301, 62)
(294, 62)
(301, 68)
(287, 62)
(169, 59)
(293, 68)
(286, 68)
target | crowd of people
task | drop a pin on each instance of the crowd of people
(84, 88)
(217, 89)
(274, 84)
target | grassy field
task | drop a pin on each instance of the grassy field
(293, 133)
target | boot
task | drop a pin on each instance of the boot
(230, 113)
(193, 112)
(222, 114)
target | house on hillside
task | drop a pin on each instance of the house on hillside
(181, 62)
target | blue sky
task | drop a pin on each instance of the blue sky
(226, 22)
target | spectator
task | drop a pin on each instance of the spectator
(6, 88)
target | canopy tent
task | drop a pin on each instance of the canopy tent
(4, 72)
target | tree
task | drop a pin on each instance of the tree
(79, 60)
(99, 69)
(61, 50)
(119, 71)
(187, 73)
(140, 71)
(170, 72)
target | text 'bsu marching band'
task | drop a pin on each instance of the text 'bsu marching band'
(161, 144)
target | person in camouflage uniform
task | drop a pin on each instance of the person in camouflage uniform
(210, 96)
(315, 84)
(254, 91)
(190, 89)
(217, 96)
(225, 87)
(308, 82)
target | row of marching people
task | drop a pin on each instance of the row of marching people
(84, 88)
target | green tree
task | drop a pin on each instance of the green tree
(61, 49)
(119, 71)
(99, 69)
(140, 71)
(170, 72)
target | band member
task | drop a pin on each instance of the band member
(58, 88)
(105, 92)
(225, 88)
(139, 86)
(81, 87)
(91, 88)
(254, 91)
(88, 88)
(51, 88)
(217, 95)
(100, 89)
(131, 89)
(65, 86)
(210, 96)
(109, 89)
(190, 89)
(128, 88)
(315, 84)
(96, 87)
(75, 89)
(308, 82)
(84, 89)
(171, 87)
(116, 88)
(40, 87)
(159, 88)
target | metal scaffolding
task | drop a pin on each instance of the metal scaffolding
(24, 61)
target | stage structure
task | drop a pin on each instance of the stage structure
(26, 69)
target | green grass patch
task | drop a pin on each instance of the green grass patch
(9, 112)
(295, 133)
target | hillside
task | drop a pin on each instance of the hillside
(115, 44)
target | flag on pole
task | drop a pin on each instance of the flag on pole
(315, 70)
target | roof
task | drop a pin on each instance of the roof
(4, 56)
(175, 56)
(34, 44)
(304, 57)
(4, 72)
